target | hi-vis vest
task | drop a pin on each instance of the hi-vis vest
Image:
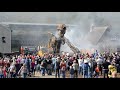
(40, 53)
(111, 70)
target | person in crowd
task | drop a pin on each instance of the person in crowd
(112, 73)
(42, 68)
(96, 72)
(63, 68)
(12, 70)
(4, 72)
(99, 63)
(49, 67)
(76, 68)
(80, 61)
(57, 68)
(28, 64)
(86, 69)
(105, 68)
(33, 67)
(1, 72)
(23, 71)
(71, 72)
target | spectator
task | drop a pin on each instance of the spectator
(63, 68)
(57, 68)
(71, 72)
(1, 73)
(112, 71)
(23, 71)
(76, 68)
(105, 68)
(86, 69)
(80, 61)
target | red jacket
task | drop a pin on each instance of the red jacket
(62, 64)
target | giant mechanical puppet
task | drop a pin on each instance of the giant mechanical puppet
(56, 42)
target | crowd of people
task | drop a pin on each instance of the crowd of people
(96, 65)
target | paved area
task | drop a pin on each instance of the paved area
(38, 75)
(46, 76)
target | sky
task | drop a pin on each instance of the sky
(53, 17)
(83, 18)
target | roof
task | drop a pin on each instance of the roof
(4, 27)
(42, 24)
(96, 34)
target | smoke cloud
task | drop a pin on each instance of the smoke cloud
(82, 19)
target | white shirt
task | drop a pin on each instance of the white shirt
(80, 61)
(99, 61)
(22, 61)
(11, 68)
(1, 71)
(35, 62)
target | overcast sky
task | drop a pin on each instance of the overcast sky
(55, 17)
(81, 18)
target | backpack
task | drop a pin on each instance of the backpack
(97, 69)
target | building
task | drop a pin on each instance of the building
(99, 37)
(25, 34)
(5, 39)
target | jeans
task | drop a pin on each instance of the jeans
(80, 70)
(1, 76)
(63, 74)
(76, 73)
(91, 72)
(24, 75)
(33, 70)
(105, 73)
(49, 72)
(86, 75)
(28, 68)
(57, 73)
(96, 74)
(12, 75)
(53, 69)
(71, 75)
(100, 67)
(118, 68)
(43, 71)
